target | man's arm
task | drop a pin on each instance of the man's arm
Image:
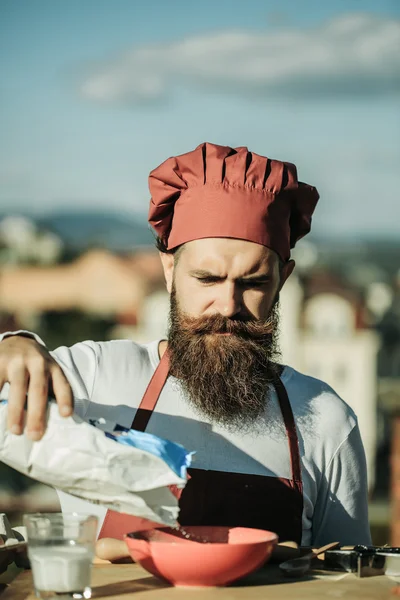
(341, 510)
(33, 374)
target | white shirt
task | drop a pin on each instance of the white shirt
(109, 379)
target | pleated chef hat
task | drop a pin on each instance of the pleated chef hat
(218, 191)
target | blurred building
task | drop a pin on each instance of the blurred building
(325, 334)
(151, 322)
(22, 242)
(98, 282)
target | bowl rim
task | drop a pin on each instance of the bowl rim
(271, 536)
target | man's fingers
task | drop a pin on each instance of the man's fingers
(37, 402)
(62, 391)
(18, 380)
(27, 366)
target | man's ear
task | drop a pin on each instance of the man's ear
(168, 265)
(286, 271)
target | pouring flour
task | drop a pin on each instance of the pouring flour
(101, 462)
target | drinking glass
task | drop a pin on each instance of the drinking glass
(61, 550)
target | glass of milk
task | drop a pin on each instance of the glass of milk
(61, 550)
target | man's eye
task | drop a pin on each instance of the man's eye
(207, 280)
(255, 283)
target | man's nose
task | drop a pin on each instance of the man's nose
(229, 301)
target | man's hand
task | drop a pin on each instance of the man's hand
(31, 372)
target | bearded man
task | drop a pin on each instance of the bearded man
(275, 449)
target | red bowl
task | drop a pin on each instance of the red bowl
(228, 553)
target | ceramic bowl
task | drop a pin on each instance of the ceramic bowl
(223, 555)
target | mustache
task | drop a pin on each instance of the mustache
(241, 327)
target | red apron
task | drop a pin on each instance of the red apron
(226, 498)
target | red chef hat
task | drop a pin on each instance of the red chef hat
(217, 191)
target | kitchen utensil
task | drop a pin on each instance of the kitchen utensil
(285, 551)
(366, 561)
(12, 545)
(297, 567)
(341, 560)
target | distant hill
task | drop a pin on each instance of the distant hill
(112, 230)
(79, 230)
(349, 254)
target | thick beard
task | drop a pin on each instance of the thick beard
(226, 378)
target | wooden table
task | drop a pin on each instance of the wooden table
(121, 582)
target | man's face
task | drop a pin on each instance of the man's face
(223, 327)
(234, 278)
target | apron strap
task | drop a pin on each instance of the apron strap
(151, 395)
(291, 430)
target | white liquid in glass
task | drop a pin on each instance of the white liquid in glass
(61, 568)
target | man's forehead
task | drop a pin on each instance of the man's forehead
(209, 252)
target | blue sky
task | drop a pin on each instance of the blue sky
(96, 93)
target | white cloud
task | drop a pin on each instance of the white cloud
(352, 54)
